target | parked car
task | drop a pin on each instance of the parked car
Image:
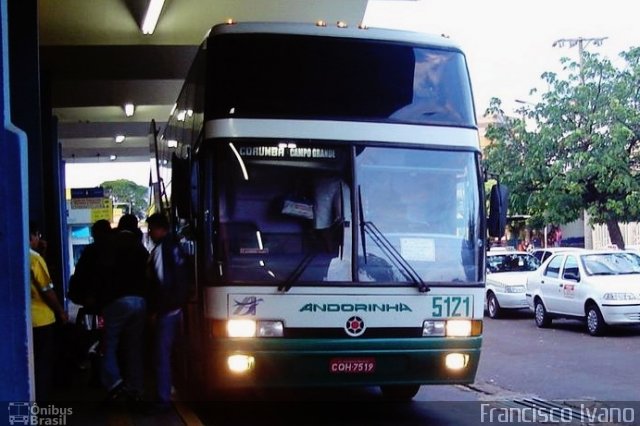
(600, 287)
(543, 253)
(506, 280)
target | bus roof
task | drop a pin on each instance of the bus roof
(382, 34)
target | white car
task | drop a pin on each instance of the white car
(507, 279)
(543, 253)
(600, 287)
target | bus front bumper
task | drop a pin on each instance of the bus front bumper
(269, 362)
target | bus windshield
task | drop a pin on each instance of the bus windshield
(419, 207)
(285, 214)
(323, 78)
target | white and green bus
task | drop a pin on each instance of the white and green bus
(329, 182)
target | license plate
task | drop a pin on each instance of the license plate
(352, 365)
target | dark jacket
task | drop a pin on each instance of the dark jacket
(125, 263)
(173, 291)
(89, 276)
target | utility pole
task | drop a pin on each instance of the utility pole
(582, 42)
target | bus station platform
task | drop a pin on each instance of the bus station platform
(83, 403)
(78, 396)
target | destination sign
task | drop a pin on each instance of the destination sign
(286, 152)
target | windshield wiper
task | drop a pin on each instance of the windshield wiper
(367, 227)
(297, 272)
(399, 262)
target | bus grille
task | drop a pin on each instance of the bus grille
(340, 333)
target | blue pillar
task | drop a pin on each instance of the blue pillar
(16, 369)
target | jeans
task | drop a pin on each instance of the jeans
(43, 359)
(124, 321)
(166, 327)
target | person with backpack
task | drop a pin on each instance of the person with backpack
(85, 287)
(168, 292)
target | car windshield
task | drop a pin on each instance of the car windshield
(513, 262)
(611, 263)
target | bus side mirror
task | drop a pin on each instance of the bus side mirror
(498, 205)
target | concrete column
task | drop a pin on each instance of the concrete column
(16, 366)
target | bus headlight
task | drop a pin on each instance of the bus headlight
(241, 328)
(452, 328)
(240, 363)
(433, 328)
(458, 328)
(456, 361)
(252, 328)
(270, 328)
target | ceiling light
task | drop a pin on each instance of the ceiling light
(129, 108)
(181, 115)
(113, 157)
(120, 138)
(172, 143)
(151, 17)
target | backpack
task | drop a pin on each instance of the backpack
(173, 292)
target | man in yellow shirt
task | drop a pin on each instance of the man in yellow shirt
(44, 306)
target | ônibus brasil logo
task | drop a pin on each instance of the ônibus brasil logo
(30, 413)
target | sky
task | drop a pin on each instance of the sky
(89, 175)
(508, 45)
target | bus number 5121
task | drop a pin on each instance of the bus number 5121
(451, 306)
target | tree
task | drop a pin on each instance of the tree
(126, 191)
(584, 152)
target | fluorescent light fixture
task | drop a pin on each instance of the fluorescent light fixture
(151, 17)
(172, 143)
(129, 108)
(120, 138)
(113, 157)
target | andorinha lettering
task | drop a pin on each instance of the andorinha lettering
(355, 307)
(285, 152)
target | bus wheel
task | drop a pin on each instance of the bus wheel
(399, 392)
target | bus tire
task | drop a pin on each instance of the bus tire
(399, 392)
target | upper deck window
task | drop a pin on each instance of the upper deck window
(306, 77)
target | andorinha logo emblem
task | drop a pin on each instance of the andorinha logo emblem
(246, 306)
(355, 326)
(28, 413)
